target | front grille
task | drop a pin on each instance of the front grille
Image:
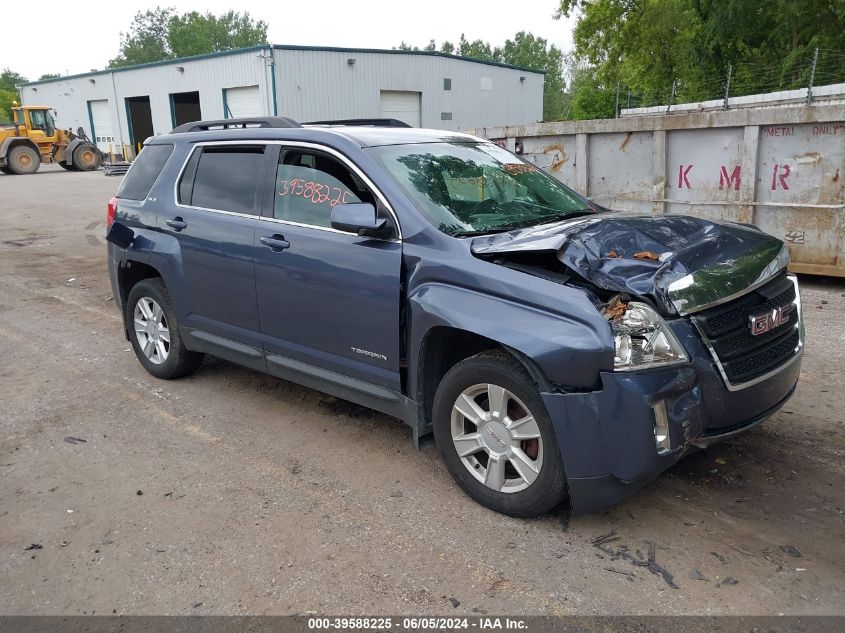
(727, 330)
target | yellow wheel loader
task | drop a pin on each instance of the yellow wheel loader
(33, 138)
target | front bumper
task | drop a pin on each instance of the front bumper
(607, 437)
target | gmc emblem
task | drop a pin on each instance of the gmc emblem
(762, 323)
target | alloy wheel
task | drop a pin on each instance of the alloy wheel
(497, 438)
(151, 330)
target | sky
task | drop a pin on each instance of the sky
(362, 23)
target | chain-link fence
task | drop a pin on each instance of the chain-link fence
(822, 67)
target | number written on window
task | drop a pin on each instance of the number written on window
(316, 192)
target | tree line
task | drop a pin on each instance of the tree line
(651, 50)
(686, 49)
(161, 34)
(9, 80)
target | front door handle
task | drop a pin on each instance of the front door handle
(177, 223)
(276, 242)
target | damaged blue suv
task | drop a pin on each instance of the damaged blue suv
(555, 350)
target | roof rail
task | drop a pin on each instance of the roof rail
(228, 124)
(370, 122)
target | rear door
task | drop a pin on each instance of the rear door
(214, 219)
(329, 299)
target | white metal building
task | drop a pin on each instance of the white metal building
(120, 108)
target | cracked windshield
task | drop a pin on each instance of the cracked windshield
(477, 188)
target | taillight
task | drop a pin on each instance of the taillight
(112, 208)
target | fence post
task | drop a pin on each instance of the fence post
(728, 86)
(671, 98)
(812, 77)
(617, 99)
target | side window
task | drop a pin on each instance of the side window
(36, 120)
(310, 184)
(42, 120)
(228, 178)
(145, 170)
(186, 182)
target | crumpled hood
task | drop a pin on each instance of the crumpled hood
(700, 261)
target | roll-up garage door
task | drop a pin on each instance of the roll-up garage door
(103, 135)
(242, 102)
(401, 105)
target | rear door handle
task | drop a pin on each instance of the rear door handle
(177, 223)
(276, 242)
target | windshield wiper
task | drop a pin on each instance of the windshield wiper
(523, 225)
(490, 231)
(565, 216)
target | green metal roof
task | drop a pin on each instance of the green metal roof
(236, 51)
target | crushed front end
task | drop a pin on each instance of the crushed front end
(708, 333)
(620, 437)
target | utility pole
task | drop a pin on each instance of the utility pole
(812, 77)
(728, 85)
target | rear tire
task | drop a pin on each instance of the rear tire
(154, 332)
(86, 157)
(23, 160)
(495, 437)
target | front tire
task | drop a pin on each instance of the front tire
(23, 160)
(86, 157)
(495, 437)
(154, 333)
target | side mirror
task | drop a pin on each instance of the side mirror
(357, 217)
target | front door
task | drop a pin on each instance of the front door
(42, 130)
(214, 220)
(326, 298)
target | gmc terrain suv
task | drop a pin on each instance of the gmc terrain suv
(553, 348)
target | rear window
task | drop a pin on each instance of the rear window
(228, 178)
(146, 168)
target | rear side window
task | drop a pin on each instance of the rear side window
(146, 168)
(227, 179)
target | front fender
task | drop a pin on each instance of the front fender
(569, 349)
(11, 141)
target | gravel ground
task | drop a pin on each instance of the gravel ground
(231, 492)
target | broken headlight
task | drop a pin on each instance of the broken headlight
(643, 339)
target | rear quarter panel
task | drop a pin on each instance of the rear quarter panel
(150, 246)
